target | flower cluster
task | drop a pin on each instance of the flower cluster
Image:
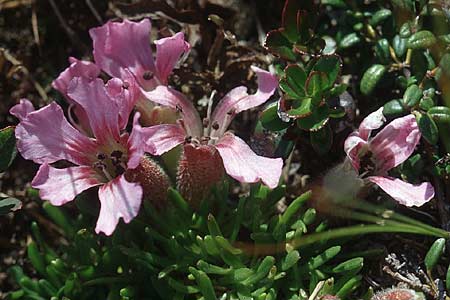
(96, 147)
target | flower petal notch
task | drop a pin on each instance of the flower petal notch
(244, 165)
(118, 199)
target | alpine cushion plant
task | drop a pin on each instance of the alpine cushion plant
(375, 156)
(210, 135)
(46, 137)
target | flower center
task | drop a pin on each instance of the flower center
(366, 164)
(112, 164)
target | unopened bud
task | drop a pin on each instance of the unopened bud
(153, 179)
(199, 169)
(398, 294)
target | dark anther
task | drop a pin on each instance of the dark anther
(188, 139)
(125, 85)
(231, 112)
(101, 156)
(215, 125)
(205, 122)
(178, 108)
(100, 165)
(205, 139)
(148, 75)
(116, 154)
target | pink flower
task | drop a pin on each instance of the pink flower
(239, 161)
(45, 136)
(121, 47)
(386, 150)
(122, 50)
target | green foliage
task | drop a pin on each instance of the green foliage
(243, 251)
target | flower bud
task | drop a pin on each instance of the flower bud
(153, 179)
(398, 294)
(199, 169)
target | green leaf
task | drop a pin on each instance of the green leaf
(262, 271)
(322, 139)
(271, 121)
(426, 103)
(290, 260)
(290, 19)
(9, 204)
(441, 114)
(427, 127)
(293, 83)
(278, 44)
(325, 256)
(316, 120)
(371, 78)
(204, 284)
(406, 30)
(301, 109)
(36, 258)
(349, 40)
(434, 254)
(421, 40)
(447, 280)
(317, 82)
(8, 149)
(335, 3)
(382, 51)
(349, 265)
(329, 65)
(394, 108)
(399, 45)
(380, 16)
(412, 95)
(349, 287)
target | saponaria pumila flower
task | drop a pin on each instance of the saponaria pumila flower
(374, 156)
(208, 147)
(104, 159)
(122, 50)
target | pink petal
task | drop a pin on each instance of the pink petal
(244, 165)
(60, 186)
(125, 95)
(168, 52)
(395, 143)
(373, 121)
(46, 136)
(21, 110)
(354, 146)
(166, 96)
(162, 138)
(119, 199)
(403, 192)
(101, 109)
(124, 45)
(77, 68)
(137, 145)
(238, 100)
